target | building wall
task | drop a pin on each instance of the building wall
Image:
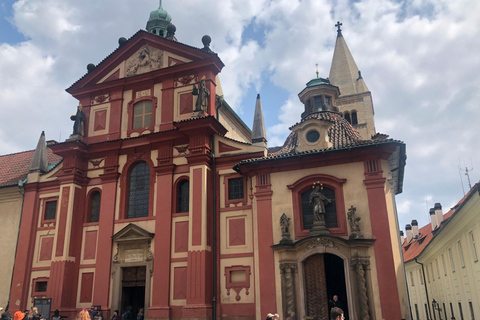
(361, 103)
(10, 211)
(448, 279)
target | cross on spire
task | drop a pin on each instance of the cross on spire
(338, 25)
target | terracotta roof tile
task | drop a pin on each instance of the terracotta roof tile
(341, 134)
(14, 167)
(416, 246)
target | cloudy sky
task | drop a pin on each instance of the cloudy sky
(419, 58)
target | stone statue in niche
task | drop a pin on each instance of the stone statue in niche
(203, 93)
(318, 200)
(78, 122)
(284, 224)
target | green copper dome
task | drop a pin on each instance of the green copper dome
(158, 22)
(317, 81)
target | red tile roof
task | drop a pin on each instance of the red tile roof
(14, 167)
(416, 246)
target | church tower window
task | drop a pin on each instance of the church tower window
(139, 191)
(347, 117)
(142, 114)
(354, 117)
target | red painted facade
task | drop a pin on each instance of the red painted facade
(83, 261)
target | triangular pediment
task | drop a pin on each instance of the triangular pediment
(142, 54)
(132, 232)
(223, 147)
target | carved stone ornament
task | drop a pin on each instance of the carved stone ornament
(146, 59)
(284, 225)
(96, 163)
(182, 149)
(115, 257)
(322, 242)
(100, 99)
(186, 80)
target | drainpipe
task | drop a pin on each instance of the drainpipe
(426, 289)
(214, 244)
(21, 190)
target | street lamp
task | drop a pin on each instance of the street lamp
(436, 306)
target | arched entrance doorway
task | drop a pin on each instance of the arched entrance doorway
(324, 276)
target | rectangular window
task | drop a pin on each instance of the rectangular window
(460, 250)
(428, 275)
(451, 259)
(142, 115)
(416, 312)
(438, 268)
(431, 270)
(235, 188)
(50, 210)
(471, 309)
(445, 311)
(426, 312)
(444, 265)
(451, 310)
(411, 279)
(41, 286)
(421, 276)
(474, 247)
(460, 310)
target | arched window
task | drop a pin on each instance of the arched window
(183, 196)
(354, 117)
(142, 114)
(346, 115)
(138, 191)
(95, 198)
(330, 208)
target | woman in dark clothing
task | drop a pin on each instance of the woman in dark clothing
(115, 315)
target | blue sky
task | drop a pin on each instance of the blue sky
(419, 58)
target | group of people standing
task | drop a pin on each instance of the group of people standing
(31, 314)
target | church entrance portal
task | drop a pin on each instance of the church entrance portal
(324, 278)
(133, 289)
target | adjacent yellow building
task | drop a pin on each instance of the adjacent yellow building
(441, 262)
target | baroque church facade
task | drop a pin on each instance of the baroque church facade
(163, 199)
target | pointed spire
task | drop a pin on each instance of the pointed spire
(259, 134)
(344, 72)
(40, 162)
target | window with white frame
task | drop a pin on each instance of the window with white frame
(460, 250)
(474, 247)
(421, 276)
(451, 259)
(444, 265)
(438, 268)
(412, 282)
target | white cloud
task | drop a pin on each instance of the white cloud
(419, 58)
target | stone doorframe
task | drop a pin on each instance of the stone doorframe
(356, 261)
(132, 250)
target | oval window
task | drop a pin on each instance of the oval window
(313, 136)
